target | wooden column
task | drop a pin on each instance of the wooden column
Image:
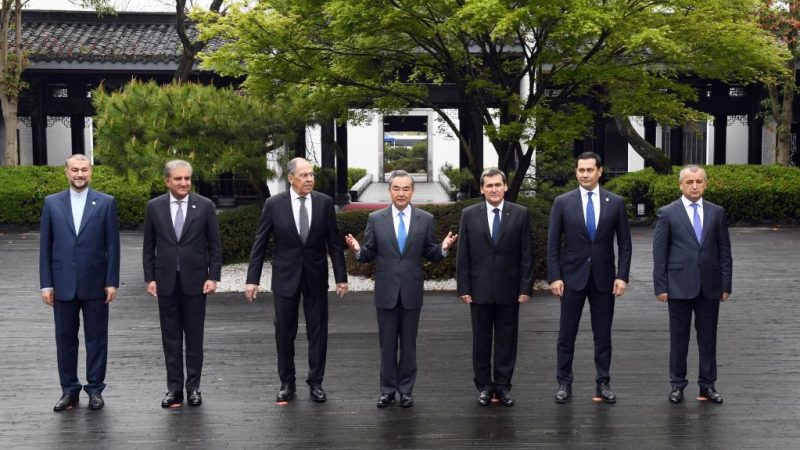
(39, 124)
(77, 123)
(755, 126)
(328, 159)
(342, 188)
(676, 146)
(720, 138)
(473, 133)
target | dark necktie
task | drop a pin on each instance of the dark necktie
(496, 226)
(697, 224)
(590, 225)
(401, 232)
(303, 220)
(179, 220)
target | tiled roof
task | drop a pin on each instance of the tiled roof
(83, 37)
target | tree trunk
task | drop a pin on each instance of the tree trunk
(11, 157)
(523, 164)
(653, 156)
(783, 147)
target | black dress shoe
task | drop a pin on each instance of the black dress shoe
(385, 400)
(485, 397)
(605, 393)
(505, 398)
(195, 399)
(286, 392)
(171, 399)
(564, 393)
(317, 393)
(711, 394)
(406, 400)
(676, 396)
(96, 401)
(66, 402)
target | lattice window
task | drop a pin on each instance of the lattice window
(666, 140)
(694, 143)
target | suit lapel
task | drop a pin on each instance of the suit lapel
(577, 208)
(290, 216)
(317, 214)
(66, 208)
(166, 212)
(708, 217)
(684, 218)
(388, 224)
(483, 223)
(191, 212)
(88, 209)
(604, 202)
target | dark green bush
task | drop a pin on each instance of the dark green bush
(23, 189)
(237, 228)
(749, 193)
(354, 174)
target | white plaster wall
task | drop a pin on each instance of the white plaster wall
(444, 144)
(636, 162)
(276, 185)
(25, 144)
(314, 144)
(768, 143)
(736, 145)
(710, 141)
(88, 139)
(364, 142)
(490, 158)
(59, 143)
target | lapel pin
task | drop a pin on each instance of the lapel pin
(607, 199)
(194, 206)
(94, 202)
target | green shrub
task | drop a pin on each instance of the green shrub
(354, 174)
(749, 193)
(23, 189)
(237, 228)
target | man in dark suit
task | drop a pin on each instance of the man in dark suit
(79, 271)
(182, 259)
(494, 269)
(580, 263)
(692, 272)
(397, 238)
(303, 225)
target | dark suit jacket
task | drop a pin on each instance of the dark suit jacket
(579, 256)
(682, 267)
(199, 251)
(290, 257)
(494, 274)
(79, 265)
(396, 274)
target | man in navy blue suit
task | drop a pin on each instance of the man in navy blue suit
(79, 272)
(692, 272)
(580, 264)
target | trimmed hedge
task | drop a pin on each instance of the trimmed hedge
(238, 228)
(23, 189)
(749, 193)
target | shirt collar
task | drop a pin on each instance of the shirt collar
(78, 195)
(172, 198)
(295, 195)
(595, 191)
(687, 203)
(491, 208)
(406, 212)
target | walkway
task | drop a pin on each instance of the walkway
(424, 192)
(759, 372)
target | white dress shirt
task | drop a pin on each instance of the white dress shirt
(296, 208)
(595, 201)
(490, 213)
(173, 207)
(396, 219)
(78, 204)
(687, 205)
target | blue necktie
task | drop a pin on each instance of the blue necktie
(496, 226)
(698, 225)
(401, 232)
(590, 225)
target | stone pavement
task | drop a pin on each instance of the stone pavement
(759, 371)
(424, 192)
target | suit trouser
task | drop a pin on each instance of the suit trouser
(601, 307)
(706, 314)
(315, 309)
(95, 333)
(498, 323)
(398, 325)
(182, 316)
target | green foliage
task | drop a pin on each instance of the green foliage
(218, 130)
(237, 228)
(23, 189)
(354, 174)
(460, 178)
(412, 159)
(749, 194)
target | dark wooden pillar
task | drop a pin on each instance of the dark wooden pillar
(676, 146)
(755, 127)
(342, 188)
(39, 124)
(720, 138)
(77, 123)
(299, 144)
(473, 134)
(650, 131)
(599, 144)
(328, 159)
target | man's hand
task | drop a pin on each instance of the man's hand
(209, 287)
(250, 292)
(111, 294)
(619, 287)
(523, 298)
(663, 297)
(352, 243)
(466, 299)
(724, 297)
(449, 240)
(47, 297)
(151, 288)
(557, 288)
(341, 289)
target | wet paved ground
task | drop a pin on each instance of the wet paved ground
(759, 371)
